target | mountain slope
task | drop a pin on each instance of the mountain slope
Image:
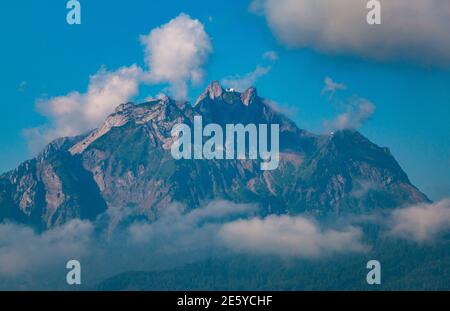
(126, 166)
(425, 268)
(50, 190)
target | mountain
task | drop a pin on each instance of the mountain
(125, 167)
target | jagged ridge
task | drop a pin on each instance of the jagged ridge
(125, 166)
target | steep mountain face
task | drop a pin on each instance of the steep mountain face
(50, 190)
(125, 168)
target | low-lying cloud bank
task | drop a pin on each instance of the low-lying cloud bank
(421, 223)
(180, 236)
(290, 236)
(178, 231)
(23, 251)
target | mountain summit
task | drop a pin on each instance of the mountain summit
(125, 167)
(214, 91)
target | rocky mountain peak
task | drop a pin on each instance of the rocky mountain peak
(249, 96)
(126, 162)
(124, 107)
(214, 90)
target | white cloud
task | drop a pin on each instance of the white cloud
(270, 55)
(22, 250)
(225, 225)
(332, 86)
(77, 112)
(178, 236)
(356, 113)
(284, 109)
(30, 260)
(187, 229)
(176, 53)
(421, 223)
(289, 236)
(242, 83)
(414, 30)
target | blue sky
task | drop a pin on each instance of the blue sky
(42, 56)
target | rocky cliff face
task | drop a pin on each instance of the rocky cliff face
(51, 189)
(125, 168)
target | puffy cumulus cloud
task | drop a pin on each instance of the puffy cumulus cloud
(421, 223)
(357, 111)
(414, 30)
(176, 53)
(289, 236)
(24, 251)
(76, 112)
(243, 82)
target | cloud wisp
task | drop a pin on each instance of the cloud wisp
(357, 111)
(332, 87)
(243, 82)
(270, 55)
(353, 111)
